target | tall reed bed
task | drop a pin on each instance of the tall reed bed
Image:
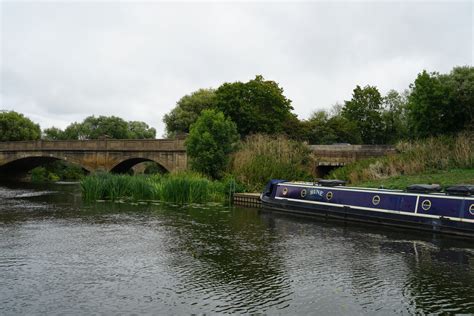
(262, 157)
(179, 188)
(440, 153)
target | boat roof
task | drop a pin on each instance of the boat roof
(338, 187)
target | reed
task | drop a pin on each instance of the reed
(416, 157)
(263, 157)
(179, 188)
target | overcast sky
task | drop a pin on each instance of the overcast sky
(61, 62)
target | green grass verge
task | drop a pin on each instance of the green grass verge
(443, 177)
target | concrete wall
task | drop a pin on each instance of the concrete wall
(338, 155)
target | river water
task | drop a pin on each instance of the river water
(60, 256)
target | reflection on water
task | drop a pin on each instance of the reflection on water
(59, 256)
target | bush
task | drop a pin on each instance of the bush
(440, 153)
(39, 174)
(262, 157)
(210, 141)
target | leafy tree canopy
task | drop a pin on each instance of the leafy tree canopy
(187, 110)
(394, 116)
(364, 109)
(324, 128)
(15, 126)
(140, 130)
(441, 103)
(256, 106)
(210, 141)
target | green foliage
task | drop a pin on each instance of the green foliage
(210, 141)
(187, 111)
(323, 129)
(364, 109)
(152, 167)
(95, 127)
(256, 106)
(15, 126)
(442, 103)
(55, 171)
(140, 130)
(180, 188)
(262, 157)
(394, 117)
(417, 157)
(53, 133)
(39, 174)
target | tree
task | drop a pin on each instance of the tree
(394, 116)
(53, 133)
(257, 106)
(344, 131)
(364, 109)
(15, 126)
(461, 83)
(441, 103)
(322, 128)
(112, 126)
(140, 130)
(429, 106)
(187, 110)
(94, 127)
(210, 141)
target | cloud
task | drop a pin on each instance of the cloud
(61, 62)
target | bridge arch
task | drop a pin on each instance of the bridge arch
(21, 164)
(126, 164)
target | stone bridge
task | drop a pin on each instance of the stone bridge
(328, 157)
(115, 155)
(112, 155)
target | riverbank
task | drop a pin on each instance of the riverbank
(443, 177)
(445, 160)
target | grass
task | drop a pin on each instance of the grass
(263, 157)
(443, 177)
(414, 158)
(179, 188)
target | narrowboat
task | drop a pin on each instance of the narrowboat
(420, 206)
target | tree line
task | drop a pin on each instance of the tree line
(15, 127)
(432, 105)
(215, 119)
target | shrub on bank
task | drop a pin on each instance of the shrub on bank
(436, 153)
(263, 157)
(180, 188)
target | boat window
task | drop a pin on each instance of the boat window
(376, 200)
(285, 191)
(471, 209)
(303, 193)
(426, 205)
(329, 195)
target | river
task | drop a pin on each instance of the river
(60, 256)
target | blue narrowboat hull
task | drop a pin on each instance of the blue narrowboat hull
(423, 211)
